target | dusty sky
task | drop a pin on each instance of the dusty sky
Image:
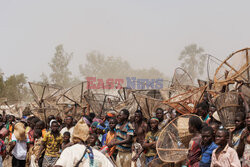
(147, 33)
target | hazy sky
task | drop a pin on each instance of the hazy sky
(147, 33)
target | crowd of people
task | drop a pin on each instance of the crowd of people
(121, 139)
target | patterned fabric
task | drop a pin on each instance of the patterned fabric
(123, 159)
(162, 124)
(36, 147)
(103, 139)
(121, 134)
(10, 128)
(49, 161)
(246, 156)
(236, 138)
(31, 136)
(151, 137)
(52, 144)
(227, 157)
(206, 154)
(207, 119)
(194, 151)
(2, 147)
(109, 138)
(44, 131)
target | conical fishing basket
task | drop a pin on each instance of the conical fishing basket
(172, 145)
(227, 105)
(148, 105)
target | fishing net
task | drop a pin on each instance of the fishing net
(74, 95)
(124, 93)
(161, 93)
(43, 92)
(173, 142)
(130, 104)
(100, 103)
(45, 97)
(234, 67)
(212, 64)
(148, 105)
(181, 78)
(185, 103)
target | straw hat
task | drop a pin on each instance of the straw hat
(81, 132)
(19, 131)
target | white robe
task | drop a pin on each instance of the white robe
(71, 155)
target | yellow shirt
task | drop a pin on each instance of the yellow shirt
(53, 145)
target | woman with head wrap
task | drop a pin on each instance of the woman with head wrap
(93, 128)
(101, 131)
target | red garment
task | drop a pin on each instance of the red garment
(194, 152)
(31, 136)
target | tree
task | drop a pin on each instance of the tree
(44, 79)
(60, 75)
(103, 67)
(15, 88)
(192, 60)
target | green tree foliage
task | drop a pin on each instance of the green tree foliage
(192, 60)
(14, 88)
(103, 67)
(61, 74)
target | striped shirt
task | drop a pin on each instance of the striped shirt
(121, 134)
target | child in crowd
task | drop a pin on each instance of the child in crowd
(93, 127)
(35, 149)
(224, 156)
(150, 141)
(234, 139)
(93, 141)
(41, 125)
(207, 146)
(215, 126)
(66, 140)
(194, 152)
(32, 125)
(109, 137)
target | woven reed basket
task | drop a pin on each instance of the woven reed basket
(227, 105)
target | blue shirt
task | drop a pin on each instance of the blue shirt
(206, 154)
(104, 139)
